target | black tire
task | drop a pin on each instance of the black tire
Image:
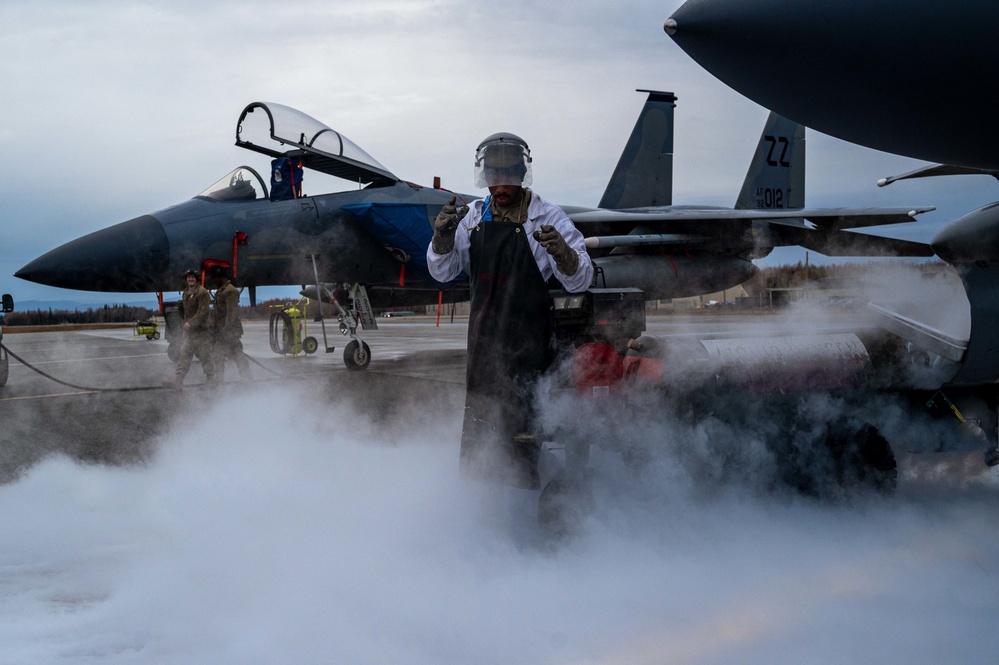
(356, 355)
(310, 345)
(156, 335)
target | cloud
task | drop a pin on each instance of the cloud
(113, 109)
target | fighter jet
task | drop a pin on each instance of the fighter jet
(365, 247)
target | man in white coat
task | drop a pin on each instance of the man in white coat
(509, 245)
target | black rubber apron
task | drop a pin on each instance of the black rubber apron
(510, 344)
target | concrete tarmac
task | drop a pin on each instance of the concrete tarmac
(115, 406)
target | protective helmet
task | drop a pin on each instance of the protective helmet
(190, 273)
(218, 272)
(503, 159)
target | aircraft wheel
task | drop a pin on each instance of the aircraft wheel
(356, 355)
(310, 345)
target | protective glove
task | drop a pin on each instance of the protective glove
(446, 225)
(566, 258)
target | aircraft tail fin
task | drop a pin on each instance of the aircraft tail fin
(644, 173)
(776, 176)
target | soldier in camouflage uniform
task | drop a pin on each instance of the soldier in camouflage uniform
(197, 332)
(228, 328)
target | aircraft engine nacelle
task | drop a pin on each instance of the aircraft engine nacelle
(665, 276)
(973, 237)
(971, 245)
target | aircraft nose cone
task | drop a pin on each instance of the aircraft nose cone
(131, 257)
(755, 45)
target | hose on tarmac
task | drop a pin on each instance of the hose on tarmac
(111, 390)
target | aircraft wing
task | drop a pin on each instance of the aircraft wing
(848, 243)
(824, 232)
(832, 218)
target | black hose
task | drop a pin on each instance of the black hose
(283, 345)
(111, 390)
(264, 367)
(73, 385)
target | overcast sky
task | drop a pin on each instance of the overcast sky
(114, 109)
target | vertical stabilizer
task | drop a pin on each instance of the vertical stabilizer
(644, 174)
(776, 177)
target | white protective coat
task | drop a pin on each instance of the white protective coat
(445, 267)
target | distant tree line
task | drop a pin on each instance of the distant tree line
(105, 314)
(791, 276)
(127, 314)
(264, 309)
(798, 275)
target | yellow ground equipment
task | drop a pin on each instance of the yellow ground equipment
(147, 329)
(289, 332)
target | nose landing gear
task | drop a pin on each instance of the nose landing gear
(353, 306)
(356, 355)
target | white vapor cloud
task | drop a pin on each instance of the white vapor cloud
(262, 533)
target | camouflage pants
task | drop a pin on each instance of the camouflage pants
(196, 344)
(231, 348)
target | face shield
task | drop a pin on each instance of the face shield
(503, 159)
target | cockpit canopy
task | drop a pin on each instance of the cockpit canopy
(241, 184)
(306, 139)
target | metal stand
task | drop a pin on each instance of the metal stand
(320, 292)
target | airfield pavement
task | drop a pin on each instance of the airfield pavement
(317, 515)
(116, 405)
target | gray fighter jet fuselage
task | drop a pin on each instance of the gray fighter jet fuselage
(146, 254)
